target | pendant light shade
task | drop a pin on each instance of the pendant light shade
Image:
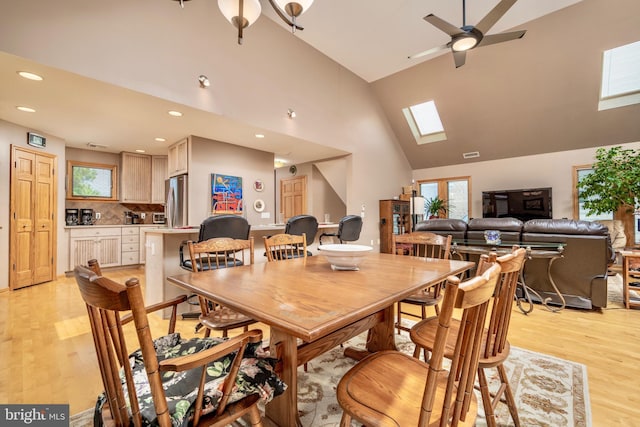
(243, 13)
(231, 10)
(294, 8)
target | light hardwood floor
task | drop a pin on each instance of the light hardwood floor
(47, 356)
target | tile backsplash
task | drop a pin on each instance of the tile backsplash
(113, 213)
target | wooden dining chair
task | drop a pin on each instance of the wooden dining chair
(390, 388)
(206, 381)
(495, 346)
(285, 246)
(214, 254)
(426, 245)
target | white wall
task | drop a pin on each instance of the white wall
(544, 170)
(208, 156)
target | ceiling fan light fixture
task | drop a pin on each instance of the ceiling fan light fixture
(464, 42)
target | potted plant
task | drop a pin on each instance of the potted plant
(614, 183)
(435, 206)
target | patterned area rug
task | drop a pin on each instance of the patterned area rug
(550, 392)
(614, 289)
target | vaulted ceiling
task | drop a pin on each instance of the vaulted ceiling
(523, 97)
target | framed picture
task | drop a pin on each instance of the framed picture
(258, 205)
(226, 194)
(258, 185)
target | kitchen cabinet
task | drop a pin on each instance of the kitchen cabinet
(159, 169)
(130, 246)
(103, 244)
(178, 158)
(394, 219)
(142, 178)
(135, 178)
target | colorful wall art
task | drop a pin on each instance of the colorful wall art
(226, 194)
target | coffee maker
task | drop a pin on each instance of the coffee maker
(86, 216)
(71, 216)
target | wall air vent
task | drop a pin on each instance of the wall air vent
(94, 145)
(471, 155)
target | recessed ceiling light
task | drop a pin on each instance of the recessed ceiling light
(30, 76)
(175, 113)
(26, 109)
(140, 151)
(160, 139)
(259, 135)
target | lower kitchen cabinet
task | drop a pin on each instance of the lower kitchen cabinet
(103, 244)
(111, 246)
(130, 245)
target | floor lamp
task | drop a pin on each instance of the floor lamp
(417, 209)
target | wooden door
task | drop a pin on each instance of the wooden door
(293, 196)
(32, 235)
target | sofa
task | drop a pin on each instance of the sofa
(581, 273)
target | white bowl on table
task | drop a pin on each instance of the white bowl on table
(344, 257)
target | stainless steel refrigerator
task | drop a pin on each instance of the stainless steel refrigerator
(176, 201)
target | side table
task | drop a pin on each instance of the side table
(630, 277)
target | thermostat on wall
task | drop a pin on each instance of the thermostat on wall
(36, 140)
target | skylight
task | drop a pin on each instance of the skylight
(425, 123)
(426, 117)
(620, 77)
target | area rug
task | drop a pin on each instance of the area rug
(614, 289)
(550, 392)
(614, 292)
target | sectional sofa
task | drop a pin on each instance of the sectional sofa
(581, 273)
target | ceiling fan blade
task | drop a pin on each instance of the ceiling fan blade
(502, 37)
(443, 25)
(429, 51)
(459, 57)
(494, 15)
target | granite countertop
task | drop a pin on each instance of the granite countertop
(71, 227)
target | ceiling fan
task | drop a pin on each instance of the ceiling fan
(469, 37)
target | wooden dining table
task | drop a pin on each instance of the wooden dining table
(310, 308)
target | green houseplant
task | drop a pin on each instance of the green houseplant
(435, 206)
(614, 183)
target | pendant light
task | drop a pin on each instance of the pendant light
(243, 13)
(292, 8)
(240, 13)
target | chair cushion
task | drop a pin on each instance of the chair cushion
(256, 376)
(229, 262)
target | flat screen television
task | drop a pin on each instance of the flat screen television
(524, 204)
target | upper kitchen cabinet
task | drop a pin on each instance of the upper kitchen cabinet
(179, 157)
(158, 176)
(142, 178)
(135, 179)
